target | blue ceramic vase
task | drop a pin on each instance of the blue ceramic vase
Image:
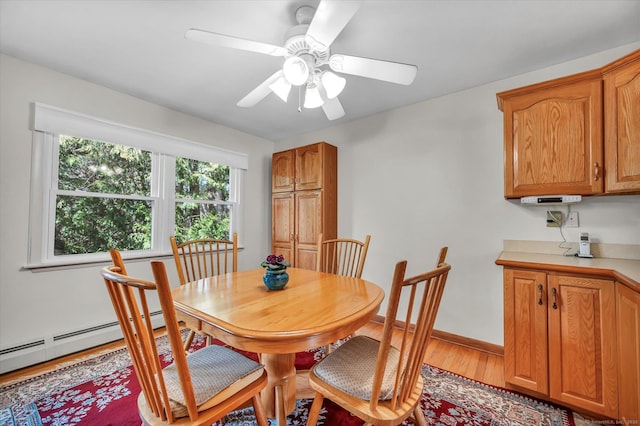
(275, 279)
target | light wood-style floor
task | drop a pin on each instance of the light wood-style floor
(475, 364)
(472, 363)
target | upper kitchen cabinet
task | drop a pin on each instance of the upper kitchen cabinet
(622, 124)
(578, 134)
(553, 137)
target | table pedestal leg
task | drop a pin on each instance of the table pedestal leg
(279, 397)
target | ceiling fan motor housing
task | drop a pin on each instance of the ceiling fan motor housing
(296, 44)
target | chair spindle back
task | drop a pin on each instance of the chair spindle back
(423, 293)
(342, 256)
(205, 257)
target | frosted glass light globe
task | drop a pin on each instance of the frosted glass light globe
(296, 70)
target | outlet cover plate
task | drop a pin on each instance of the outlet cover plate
(572, 220)
(554, 218)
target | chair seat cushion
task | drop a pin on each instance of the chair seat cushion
(351, 367)
(216, 373)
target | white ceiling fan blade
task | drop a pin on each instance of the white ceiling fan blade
(260, 92)
(394, 72)
(234, 42)
(333, 109)
(329, 20)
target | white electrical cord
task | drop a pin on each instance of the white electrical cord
(560, 224)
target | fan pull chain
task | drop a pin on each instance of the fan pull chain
(299, 98)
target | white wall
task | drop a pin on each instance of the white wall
(37, 305)
(415, 178)
(431, 174)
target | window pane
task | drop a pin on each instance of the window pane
(94, 166)
(95, 225)
(199, 180)
(195, 220)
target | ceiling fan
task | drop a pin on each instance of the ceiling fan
(308, 59)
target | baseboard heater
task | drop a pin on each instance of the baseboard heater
(89, 330)
(46, 349)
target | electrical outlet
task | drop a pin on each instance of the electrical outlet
(572, 220)
(554, 219)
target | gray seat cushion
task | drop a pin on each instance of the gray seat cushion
(351, 367)
(216, 373)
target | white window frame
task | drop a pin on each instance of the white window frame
(50, 121)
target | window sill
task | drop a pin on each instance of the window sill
(98, 260)
(103, 259)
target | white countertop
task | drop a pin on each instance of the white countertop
(625, 270)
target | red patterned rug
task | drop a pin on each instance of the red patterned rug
(102, 391)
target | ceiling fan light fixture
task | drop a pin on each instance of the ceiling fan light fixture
(312, 98)
(333, 84)
(296, 70)
(281, 87)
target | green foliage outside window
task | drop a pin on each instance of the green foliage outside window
(198, 180)
(108, 211)
(95, 225)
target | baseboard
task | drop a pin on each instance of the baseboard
(468, 342)
(49, 348)
(455, 339)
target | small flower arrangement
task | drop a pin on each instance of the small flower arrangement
(275, 262)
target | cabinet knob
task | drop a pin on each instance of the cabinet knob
(596, 171)
(539, 294)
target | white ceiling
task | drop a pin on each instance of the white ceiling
(138, 47)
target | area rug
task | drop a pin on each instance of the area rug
(102, 391)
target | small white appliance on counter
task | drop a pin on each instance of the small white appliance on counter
(585, 245)
(548, 200)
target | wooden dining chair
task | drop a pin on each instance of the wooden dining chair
(442, 256)
(342, 256)
(374, 380)
(196, 389)
(202, 258)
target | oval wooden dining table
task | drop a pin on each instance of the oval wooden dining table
(313, 310)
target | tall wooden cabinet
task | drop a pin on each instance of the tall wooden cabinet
(560, 338)
(304, 188)
(578, 134)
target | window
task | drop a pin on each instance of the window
(203, 208)
(102, 197)
(98, 185)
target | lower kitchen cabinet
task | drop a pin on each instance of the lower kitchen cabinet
(560, 338)
(628, 332)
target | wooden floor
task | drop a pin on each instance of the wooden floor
(472, 363)
(475, 364)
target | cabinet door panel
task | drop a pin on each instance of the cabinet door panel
(282, 171)
(553, 140)
(309, 224)
(525, 340)
(582, 345)
(282, 232)
(306, 258)
(628, 328)
(309, 167)
(622, 128)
